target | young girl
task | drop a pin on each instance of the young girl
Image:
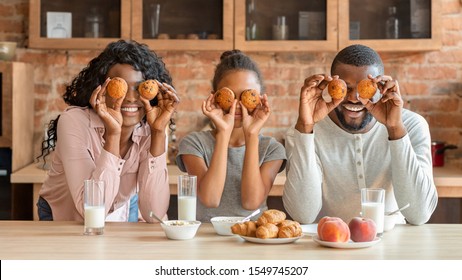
(235, 165)
(118, 140)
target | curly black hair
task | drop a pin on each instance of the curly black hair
(79, 91)
(358, 55)
(234, 60)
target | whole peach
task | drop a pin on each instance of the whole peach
(362, 229)
(322, 221)
(333, 229)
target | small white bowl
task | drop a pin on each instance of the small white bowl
(222, 225)
(7, 50)
(179, 229)
(389, 222)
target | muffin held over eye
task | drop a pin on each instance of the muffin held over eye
(250, 98)
(337, 88)
(224, 97)
(367, 88)
(117, 87)
(148, 89)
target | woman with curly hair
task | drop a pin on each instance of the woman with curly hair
(121, 141)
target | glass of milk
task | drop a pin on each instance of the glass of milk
(373, 206)
(94, 215)
(187, 196)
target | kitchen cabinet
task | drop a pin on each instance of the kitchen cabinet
(182, 24)
(77, 24)
(17, 111)
(256, 19)
(248, 25)
(418, 24)
(345, 22)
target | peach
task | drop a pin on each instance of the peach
(333, 229)
(362, 229)
(322, 221)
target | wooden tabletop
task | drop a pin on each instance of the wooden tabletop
(24, 240)
(448, 179)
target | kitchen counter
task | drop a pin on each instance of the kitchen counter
(34, 240)
(448, 181)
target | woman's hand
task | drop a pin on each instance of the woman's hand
(312, 107)
(159, 116)
(111, 117)
(254, 121)
(224, 122)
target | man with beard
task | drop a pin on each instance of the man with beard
(339, 146)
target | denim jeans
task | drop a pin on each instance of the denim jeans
(44, 210)
(45, 213)
(133, 212)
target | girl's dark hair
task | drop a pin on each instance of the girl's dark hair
(79, 91)
(234, 60)
(358, 55)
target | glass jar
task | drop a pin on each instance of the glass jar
(94, 24)
(392, 24)
(280, 29)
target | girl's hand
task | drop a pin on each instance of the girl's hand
(224, 122)
(159, 116)
(111, 117)
(254, 121)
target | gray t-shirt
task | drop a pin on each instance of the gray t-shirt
(202, 144)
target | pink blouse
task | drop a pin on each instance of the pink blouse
(79, 155)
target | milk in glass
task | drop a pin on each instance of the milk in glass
(94, 217)
(187, 195)
(373, 206)
(374, 211)
(187, 208)
(94, 209)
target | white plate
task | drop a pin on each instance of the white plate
(310, 229)
(271, 240)
(346, 245)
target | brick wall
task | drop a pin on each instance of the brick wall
(431, 82)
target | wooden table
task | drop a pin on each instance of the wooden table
(448, 180)
(26, 240)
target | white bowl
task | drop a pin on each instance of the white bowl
(7, 50)
(222, 225)
(389, 222)
(179, 229)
